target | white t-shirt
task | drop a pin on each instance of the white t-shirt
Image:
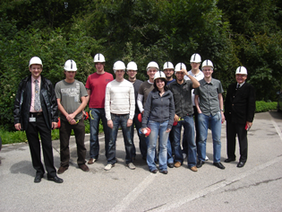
(198, 77)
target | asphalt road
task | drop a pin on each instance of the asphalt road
(255, 187)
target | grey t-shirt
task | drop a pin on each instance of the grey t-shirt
(208, 96)
(70, 95)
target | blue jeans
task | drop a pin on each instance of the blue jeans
(214, 122)
(96, 114)
(169, 152)
(188, 124)
(157, 129)
(142, 140)
(120, 120)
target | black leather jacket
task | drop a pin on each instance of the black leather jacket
(47, 98)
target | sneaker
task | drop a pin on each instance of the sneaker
(131, 166)
(206, 159)
(194, 169)
(91, 160)
(170, 165)
(83, 167)
(62, 169)
(108, 167)
(177, 164)
(184, 155)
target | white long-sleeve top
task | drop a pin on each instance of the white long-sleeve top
(119, 99)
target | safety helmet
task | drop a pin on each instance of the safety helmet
(179, 67)
(207, 63)
(152, 64)
(99, 58)
(195, 58)
(119, 65)
(35, 60)
(168, 65)
(241, 70)
(131, 66)
(70, 65)
(159, 74)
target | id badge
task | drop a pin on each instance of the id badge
(32, 119)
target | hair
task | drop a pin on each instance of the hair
(155, 85)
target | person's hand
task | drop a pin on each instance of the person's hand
(72, 122)
(129, 122)
(54, 125)
(110, 124)
(222, 117)
(176, 118)
(18, 126)
(168, 130)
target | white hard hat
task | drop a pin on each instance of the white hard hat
(179, 67)
(70, 65)
(207, 63)
(241, 70)
(131, 66)
(159, 74)
(195, 58)
(119, 65)
(35, 60)
(99, 58)
(152, 64)
(168, 65)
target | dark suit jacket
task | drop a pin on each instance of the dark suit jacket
(240, 104)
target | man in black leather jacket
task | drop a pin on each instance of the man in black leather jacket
(37, 117)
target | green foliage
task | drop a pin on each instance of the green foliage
(262, 106)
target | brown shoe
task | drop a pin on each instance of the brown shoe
(83, 167)
(62, 169)
(194, 169)
(91, 160)
(177, 164)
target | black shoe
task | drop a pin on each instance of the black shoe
(219, 165)
(164, 171)
(170, 165)
(241, 164)
(154, 171)
(55, 179)
(228, 160)
(38, 177)
(200, 163)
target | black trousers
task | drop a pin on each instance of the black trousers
(34, 145)
(65, 132)
(233, 129)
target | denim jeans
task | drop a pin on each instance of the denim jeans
(214, 122)
(120, 120)
(169, 152)
(142, 140)
(157, 130)
(97, 114)
(189, 132)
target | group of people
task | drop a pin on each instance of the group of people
(158, 108)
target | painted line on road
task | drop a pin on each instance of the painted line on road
(277, 128)
(125, 202)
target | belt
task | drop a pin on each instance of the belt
(36, 114)
(119, 114)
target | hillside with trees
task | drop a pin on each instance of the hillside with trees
(230, 33)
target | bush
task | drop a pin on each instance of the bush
(262, 106)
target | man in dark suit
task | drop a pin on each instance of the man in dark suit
(35, 111)
(239, 114)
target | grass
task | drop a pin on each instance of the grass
(19, 136)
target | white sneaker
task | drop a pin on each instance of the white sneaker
(131, 166)
(184, 155)
(206, 159)
(108, 167)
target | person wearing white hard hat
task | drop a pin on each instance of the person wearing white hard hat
(72, 99)
(96, 87)
(119, 109)
(240, 106)
(35, 111)
(131, 71)
(195, 62)
(159, 110)
(181, 90)
(209, 103)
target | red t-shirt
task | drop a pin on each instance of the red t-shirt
(97, 83)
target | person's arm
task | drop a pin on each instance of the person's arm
(17, 108)
(140, 102)
(197, 103)
(220, 99)
(195, 82)
(54, 107)
(107, 107)
(132, 106)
